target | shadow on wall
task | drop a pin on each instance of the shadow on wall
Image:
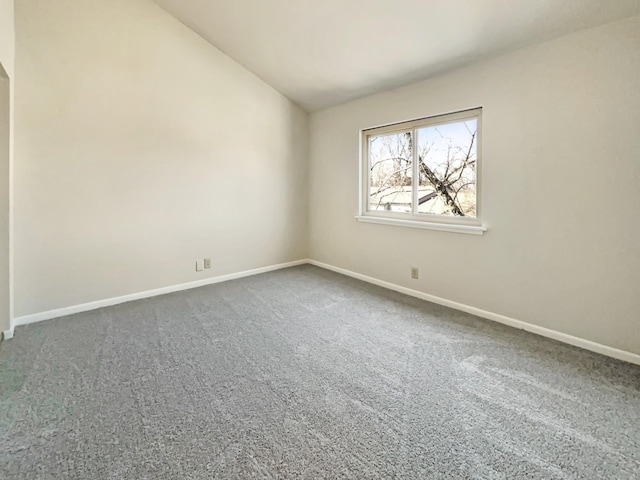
(4, 198)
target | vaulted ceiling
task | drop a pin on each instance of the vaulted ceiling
(321, 53)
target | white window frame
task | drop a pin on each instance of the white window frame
(471, 225)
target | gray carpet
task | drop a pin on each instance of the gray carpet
(303, 373)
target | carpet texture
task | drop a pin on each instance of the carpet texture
(303, 373)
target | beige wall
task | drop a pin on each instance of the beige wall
(139, 149)
(561, 177)
(7, 53)
(5, 96)
(7, 36)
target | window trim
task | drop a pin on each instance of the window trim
(472, 225)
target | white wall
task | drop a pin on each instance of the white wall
(7, 53)
(561, 178)
(7, 36)
(5, 121)
(140, 148)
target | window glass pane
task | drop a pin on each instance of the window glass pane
(447, 157)
(390, 168)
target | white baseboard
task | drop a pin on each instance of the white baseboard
(84, 307)
(512, 322)
(8, 334)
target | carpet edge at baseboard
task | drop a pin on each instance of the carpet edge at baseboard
(8, 334)
(108, 302)
(512, 322)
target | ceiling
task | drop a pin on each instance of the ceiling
(321, 53)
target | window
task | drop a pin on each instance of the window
(424, 173)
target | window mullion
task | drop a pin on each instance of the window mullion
(415, 182)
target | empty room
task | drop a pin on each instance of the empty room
(329, 239)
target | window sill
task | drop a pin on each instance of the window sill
(443, 227)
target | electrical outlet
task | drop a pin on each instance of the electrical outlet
(199, 265)
(415, 273)
(207, 263)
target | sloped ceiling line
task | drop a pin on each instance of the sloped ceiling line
(325, 53)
